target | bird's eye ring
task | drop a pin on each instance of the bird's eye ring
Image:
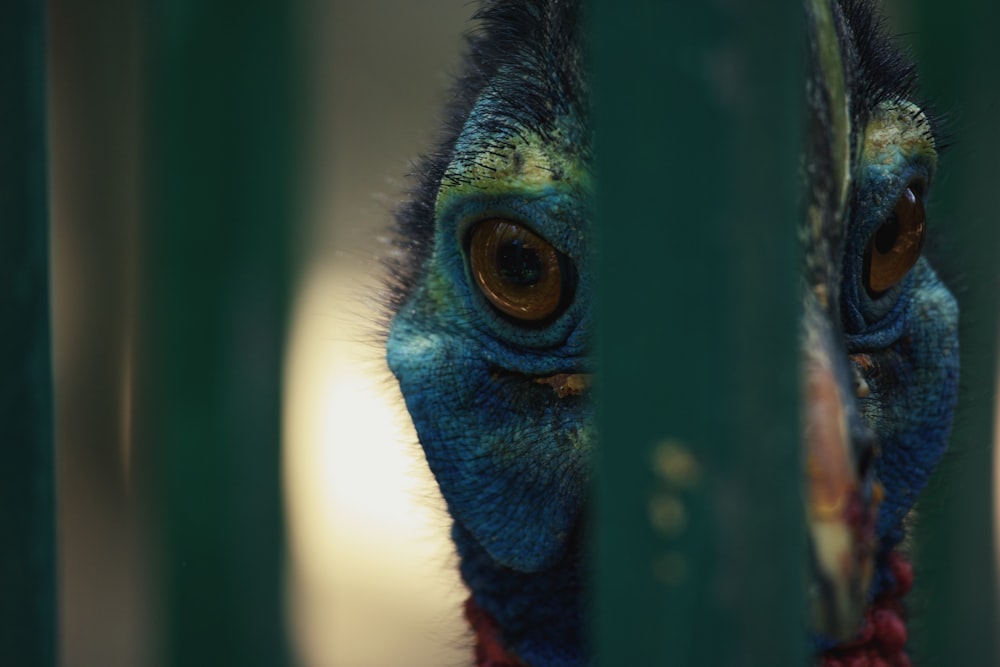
(896, 245)
(518, 271)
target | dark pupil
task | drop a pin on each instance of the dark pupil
(885, 237)
(519, 264)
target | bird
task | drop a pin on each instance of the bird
(490, 329)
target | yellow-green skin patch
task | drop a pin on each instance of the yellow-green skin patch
(899, 131)
(527, 164)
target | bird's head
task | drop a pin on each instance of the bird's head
(491, 344)
(493, 306)
(880, 345)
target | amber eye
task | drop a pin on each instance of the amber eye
(895, 247)
(517, 270)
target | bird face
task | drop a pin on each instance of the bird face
(492, 349)
(880, 346)
(491, 338)
(493, 312)
(900, 323)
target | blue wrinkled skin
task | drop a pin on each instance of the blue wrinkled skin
(912, 350)
(510, 455)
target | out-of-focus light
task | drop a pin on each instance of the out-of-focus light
(372, 576)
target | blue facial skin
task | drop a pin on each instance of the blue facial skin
(904, 343)
(512, 456)
(509, 454)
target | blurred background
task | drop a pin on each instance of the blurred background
(373, 579)
(370, 576)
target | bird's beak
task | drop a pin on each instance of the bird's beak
(842, 496)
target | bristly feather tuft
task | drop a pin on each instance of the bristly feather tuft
(880, 70)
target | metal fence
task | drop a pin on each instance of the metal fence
(27, 485)
(214, 264)
(698, 317)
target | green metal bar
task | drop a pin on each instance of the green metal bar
(217, 245)
(957, 596)
(700, 521)
(27, 492)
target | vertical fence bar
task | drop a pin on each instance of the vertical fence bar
(957, 575)
(216, 266)
(27, 501)
(699, 511)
